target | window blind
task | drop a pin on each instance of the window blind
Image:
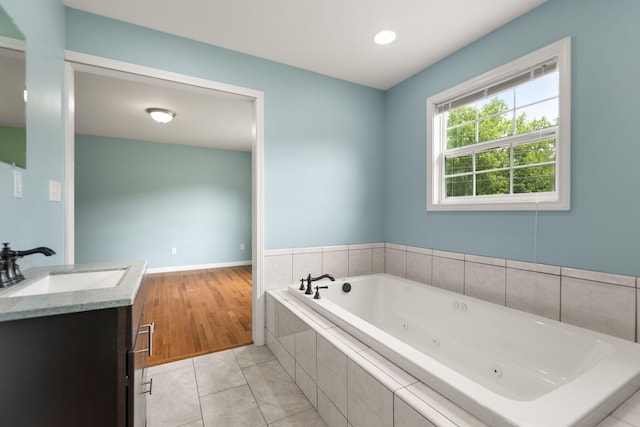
(495, 88)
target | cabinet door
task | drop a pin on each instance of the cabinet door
(63, 370)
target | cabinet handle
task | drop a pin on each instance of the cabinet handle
(150, 327)
(150, 383)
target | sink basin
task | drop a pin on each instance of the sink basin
(69, 282)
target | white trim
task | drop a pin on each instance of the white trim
(197, 267)
(14, 44)
(69, 166)
(562, 196)
(257, 222)
(78, 60)
(81, 59)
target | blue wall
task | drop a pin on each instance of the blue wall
(323, 136)
(601, 231)
(346, 163)
(34, 220)
(137, 200)
(8, 28)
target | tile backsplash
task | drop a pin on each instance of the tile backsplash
(285, 266)
(602, 302)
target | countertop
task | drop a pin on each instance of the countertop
(24, 307)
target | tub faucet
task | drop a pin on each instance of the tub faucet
(317, 295)
(9, 270)
(310, 279)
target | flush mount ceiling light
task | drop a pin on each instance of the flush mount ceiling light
(384, 37)
(161, 115)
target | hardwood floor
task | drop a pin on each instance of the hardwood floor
(199, 312)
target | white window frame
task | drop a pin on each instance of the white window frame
(560, 199)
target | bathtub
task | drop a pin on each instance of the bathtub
(506, 367)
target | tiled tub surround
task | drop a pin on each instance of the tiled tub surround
(285, 266)
(353, 385)
(602, 302)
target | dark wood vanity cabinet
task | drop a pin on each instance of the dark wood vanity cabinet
(75, 369)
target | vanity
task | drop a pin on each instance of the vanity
(73, 347)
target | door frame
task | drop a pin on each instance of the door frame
(75, 61)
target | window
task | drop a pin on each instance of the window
(501, 141)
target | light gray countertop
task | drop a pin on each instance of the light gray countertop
(24, 307)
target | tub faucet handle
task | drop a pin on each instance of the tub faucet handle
(301, 288)
(317, 295)
(309, 291)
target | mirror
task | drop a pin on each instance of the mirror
(13, 134)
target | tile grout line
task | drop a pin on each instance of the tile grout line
(250, 390)
(195, 376)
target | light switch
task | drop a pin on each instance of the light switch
(55, 191)
(17, 184)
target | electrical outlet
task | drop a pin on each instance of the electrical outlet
(242, 246)
(174, 250)
(55, 191)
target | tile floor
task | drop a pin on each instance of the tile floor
(242, 387)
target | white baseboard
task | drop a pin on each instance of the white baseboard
(197, 267)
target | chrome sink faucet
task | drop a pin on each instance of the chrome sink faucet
(310, 279)
(9, 270)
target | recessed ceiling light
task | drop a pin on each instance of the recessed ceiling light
(161, 115)
(384, 37)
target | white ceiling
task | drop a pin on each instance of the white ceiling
(113, 104)
(331, 37)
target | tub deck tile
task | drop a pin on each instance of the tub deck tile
(311, 317)
(405, 415)
(319, 320)
(398, 374)
(375, 371)
(352, 342)
(282, 293)
(450, 410)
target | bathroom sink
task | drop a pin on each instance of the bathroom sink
(69, 282)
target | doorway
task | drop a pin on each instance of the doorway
(77, 62)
